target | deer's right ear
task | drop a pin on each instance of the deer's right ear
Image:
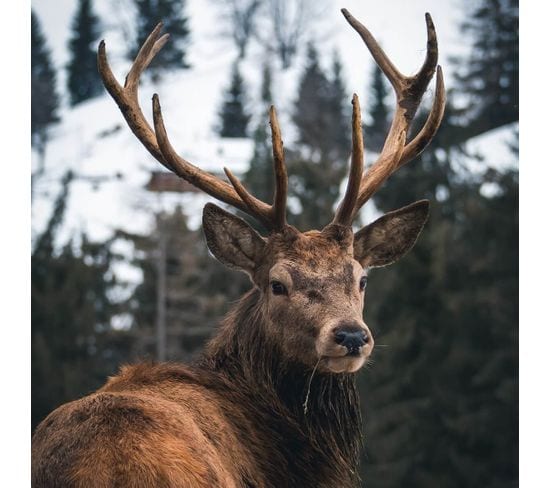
(231, 240)
(391, 236)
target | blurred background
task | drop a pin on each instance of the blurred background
(120, 269)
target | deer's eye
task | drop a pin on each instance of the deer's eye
(278, 288)
(363, 283)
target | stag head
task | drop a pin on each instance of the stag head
(312, 283)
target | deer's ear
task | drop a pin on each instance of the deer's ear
(391, 236)
(231, 239)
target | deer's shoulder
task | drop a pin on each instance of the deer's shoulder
(147, 426)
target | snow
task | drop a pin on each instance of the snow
(494, 145)
(94, 141)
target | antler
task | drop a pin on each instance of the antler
(396, 152)
(273, 217)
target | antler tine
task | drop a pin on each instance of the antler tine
(409, 91)
(427, 133)
(274, 217)
(249, 200)
(197, 177)
(281, 176)
(344, 214)
(152, 45)
(382, 60)
(158, 144)
(379, 172)
(427, 71)
(127, 97)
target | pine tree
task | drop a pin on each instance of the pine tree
(489, 75)
(310, 116)
(339, 106)
(378, 112)
(73, 345)
(197, 289)
(83, 81)
(266, 94)
(171, 13)
(44, 96)
(319, 162)
(233, 114)
(259, 177)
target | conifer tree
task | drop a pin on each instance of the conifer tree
(172, 14)
(266, 93)
(489, 75)
(310, 116)
(44, 96)
(72, 343)
(319, 162)
(378, 113)
(198, 290)
(83, 81)
(234, 116)
(259, 177)
(339, 106)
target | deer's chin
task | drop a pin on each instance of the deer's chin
(343, 364)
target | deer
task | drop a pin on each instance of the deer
(272, 401)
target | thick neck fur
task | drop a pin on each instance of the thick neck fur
(314, 446)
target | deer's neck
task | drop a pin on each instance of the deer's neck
(318, 439)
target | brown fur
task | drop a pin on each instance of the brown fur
(236, 418)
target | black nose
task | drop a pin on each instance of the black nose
(351, 338)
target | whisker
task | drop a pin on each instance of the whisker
(305, 404)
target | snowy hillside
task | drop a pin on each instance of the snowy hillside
(94, 141)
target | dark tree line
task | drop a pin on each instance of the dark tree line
(83, 81)
(197, 291)
(73, 346)
(442, 396)
(234, 114)
(44, 95)
(172, 14)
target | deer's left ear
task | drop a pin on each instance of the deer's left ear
(390, 237)
(231, 239)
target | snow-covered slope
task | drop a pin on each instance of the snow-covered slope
(94, 141)
(113, 168)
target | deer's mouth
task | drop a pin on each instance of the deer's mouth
(344, 364)
(343, 360)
